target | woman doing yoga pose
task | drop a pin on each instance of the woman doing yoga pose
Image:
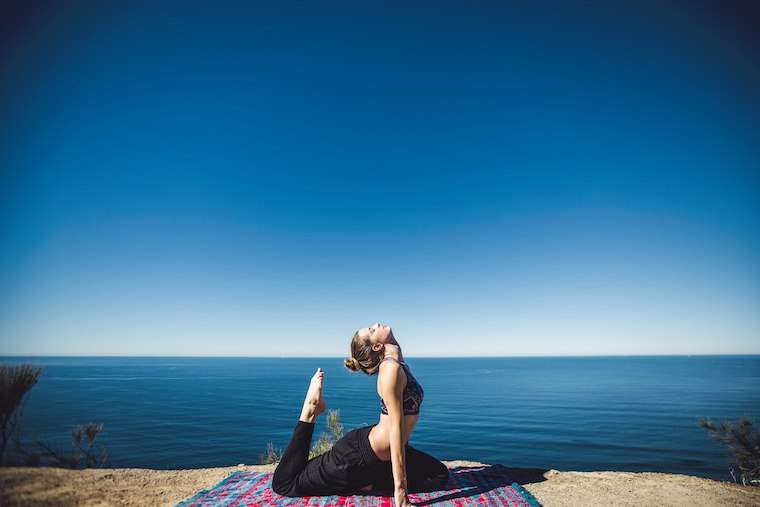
(376, 458)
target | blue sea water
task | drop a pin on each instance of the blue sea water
(636, 413)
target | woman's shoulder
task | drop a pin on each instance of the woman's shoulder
(395, 361)
(392, 368)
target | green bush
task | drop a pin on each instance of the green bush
(744, 443)
(15, 382)
(322, 445)
(85, 454)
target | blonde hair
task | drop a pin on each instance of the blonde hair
(363, 358)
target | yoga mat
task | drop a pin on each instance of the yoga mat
(468, 486)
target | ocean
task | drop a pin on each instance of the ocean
(635, 413)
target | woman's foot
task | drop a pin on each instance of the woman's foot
(314, 405)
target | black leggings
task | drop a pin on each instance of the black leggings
(348, 466)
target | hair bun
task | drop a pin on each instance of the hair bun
(352, 364)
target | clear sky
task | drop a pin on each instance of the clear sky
(264, 178)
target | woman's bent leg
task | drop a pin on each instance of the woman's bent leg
(294, 458)
(329, 473)
(424, 472)
(319, 477)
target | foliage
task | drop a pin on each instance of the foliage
(323, 444)
(744, 443)
(272, 455)
(15, 382)
(85, 454)
(326, 441)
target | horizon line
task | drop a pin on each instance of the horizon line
(341, 357)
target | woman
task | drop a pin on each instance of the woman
(377, 458)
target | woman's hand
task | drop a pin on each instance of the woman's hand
(399, 496)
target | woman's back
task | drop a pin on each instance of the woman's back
(379, 436)
(412, 395)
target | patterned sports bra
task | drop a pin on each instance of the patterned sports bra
(413, 392)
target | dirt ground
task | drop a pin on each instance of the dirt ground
(552, 488)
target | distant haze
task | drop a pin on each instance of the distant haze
(263, 180)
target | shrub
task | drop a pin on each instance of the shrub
(272, 455)
(15, 382)
(744, 443)
(326, 441)
(85, 453)
(323, 444)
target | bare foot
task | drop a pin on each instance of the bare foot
(313, 404)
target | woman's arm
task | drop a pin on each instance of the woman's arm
(392, 390)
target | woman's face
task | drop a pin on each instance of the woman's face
(377, 333)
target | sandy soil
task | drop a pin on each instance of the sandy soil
(142, 487)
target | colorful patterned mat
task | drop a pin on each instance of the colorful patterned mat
(468, 486)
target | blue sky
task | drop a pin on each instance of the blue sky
(263, 179)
